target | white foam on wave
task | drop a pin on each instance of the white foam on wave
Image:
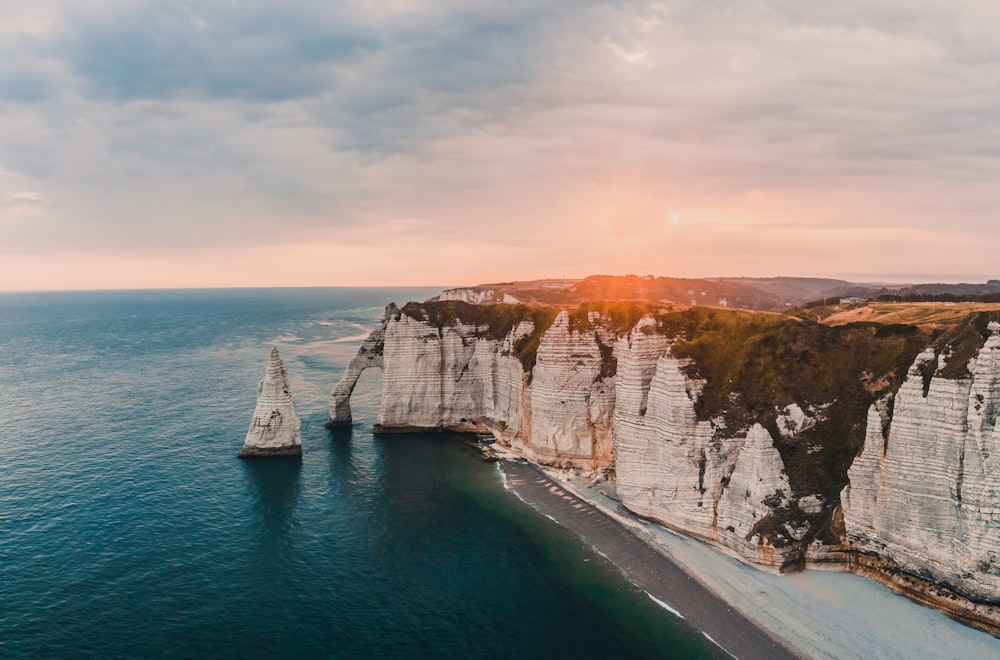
(724, 649)
(503, 477)
(343, 340)
(681, 616)
(664, 605)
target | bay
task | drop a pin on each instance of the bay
(129, 528)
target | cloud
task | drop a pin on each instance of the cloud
(168, 126)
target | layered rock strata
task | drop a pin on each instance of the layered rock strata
(370, 354)
(673, 467)
(924, 493)
(474, 295)
(594, 400)
(274, 428)
(746, 442)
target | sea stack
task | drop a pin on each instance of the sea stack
(274, 429)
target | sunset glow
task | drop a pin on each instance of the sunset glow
(293, 144)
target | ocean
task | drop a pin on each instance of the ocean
(128, 527)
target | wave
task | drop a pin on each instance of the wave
(351, 338)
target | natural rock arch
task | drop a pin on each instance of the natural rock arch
(369, 355)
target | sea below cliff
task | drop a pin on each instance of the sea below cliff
(128, 527)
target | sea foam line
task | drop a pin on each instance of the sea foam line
(350, 338)
(681, 616)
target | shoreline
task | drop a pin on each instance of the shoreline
(814, 613)
(662, 579)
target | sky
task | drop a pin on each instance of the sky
(306, 143)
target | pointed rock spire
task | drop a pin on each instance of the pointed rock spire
(274, 429)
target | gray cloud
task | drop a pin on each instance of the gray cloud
(170, 125)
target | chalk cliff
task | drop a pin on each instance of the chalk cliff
(274, 428)
(924, 493)
(746, 430)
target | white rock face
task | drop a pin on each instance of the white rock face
(474, 296)
(510, 408)
(370, 354)
(572, 400)
(925, 490)
(274, 428)
(458, 379)
(422, 374)
(757, 486)
(671, 467)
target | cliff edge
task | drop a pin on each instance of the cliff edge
(784, 441)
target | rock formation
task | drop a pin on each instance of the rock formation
(746, 430)
(925, 491)
(274, 428)
(369, 355)
(474, 295)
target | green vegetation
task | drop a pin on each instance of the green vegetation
(617, 316)
(490, 322)
(756, 364)
(962, 343)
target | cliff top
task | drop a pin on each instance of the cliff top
(933, 314)
(756, 293)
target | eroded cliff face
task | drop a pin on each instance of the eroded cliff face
(572, 399)
(608, 389)
(467, 377)
(746, 430)
(274, 428)
(675, 468)
(925, 491)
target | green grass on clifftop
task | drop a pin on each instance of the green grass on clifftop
(756, 364)
(493, 322)
(962, 343)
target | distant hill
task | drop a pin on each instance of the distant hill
(767, 294)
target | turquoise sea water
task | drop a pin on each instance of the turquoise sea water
(129, 528)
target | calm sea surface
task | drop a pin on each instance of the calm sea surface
(129, 528)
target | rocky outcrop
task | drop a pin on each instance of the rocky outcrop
(924, 493)
(370, 354)
(274, 428)
(474, 295)
(674, 468)
(466, 377)
(572, 398)
(783, 442)
(440, 380)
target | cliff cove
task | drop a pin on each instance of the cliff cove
(129, 527)
(789, 443)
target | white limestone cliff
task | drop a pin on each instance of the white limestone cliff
(460, 379)
(572, 400)
(370, 354)
(435, 379)
(925, 491)
(474, 296)
(672, 467)
(274, 428)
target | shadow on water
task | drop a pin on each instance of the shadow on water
(341, 455)
(356, 462)
(275, 488)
